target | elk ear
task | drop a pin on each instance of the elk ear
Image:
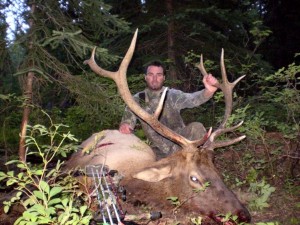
(154, 174)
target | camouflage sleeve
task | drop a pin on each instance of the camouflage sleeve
(128, 116)
(184, 100)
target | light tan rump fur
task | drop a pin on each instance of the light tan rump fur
(123, 152)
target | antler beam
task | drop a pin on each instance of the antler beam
(227, 89)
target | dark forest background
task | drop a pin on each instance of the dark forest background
(44, 81)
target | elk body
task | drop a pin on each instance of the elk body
(184, 174)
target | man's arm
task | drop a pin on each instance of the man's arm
(183, 100)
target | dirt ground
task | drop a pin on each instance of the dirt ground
(278, 163)
(283, 209)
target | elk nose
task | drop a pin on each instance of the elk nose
(244, 216)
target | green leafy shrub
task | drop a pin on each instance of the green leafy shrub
(283, 89)
(41, 187)
(263, 191)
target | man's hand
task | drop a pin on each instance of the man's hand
(125, 128)
(210, 83)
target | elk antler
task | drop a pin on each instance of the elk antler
(120, 79)
(226, 88)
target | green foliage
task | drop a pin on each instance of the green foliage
(235, 26)
(277, 109)
(230, 218)
(291, 187)
(62, 36)
(263, 192)
(259, 32)
(174, 200)
(59, 48)
(197, 220)
(98, 105)
(10, 120)
(83, 122)
(42, 189)
(281, 89)
(254, 126)
(294, 221)
(203, 188)
(136, 82)
(57, 145)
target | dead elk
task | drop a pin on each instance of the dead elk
(188, 174)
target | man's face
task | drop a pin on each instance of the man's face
(155, 77)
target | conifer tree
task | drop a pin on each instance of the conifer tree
(60, 36)
(177, 32)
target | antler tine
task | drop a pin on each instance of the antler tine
(223, 69)
(198, 143)
(210, 144)
(125, 62)
(121, 81)
(227, 88)
(224, 74)
(97, 69)
(201, 66)
(226, 143)
(161, 103)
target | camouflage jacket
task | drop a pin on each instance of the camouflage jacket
(175, 101)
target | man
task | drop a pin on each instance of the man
(175, 101)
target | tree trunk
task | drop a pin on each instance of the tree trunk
(171, 42)
(26, 112)
(27, 93)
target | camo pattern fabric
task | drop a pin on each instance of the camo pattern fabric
(175, 101)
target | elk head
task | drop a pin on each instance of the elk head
(185, 173)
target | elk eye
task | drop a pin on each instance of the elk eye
(194, 179)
